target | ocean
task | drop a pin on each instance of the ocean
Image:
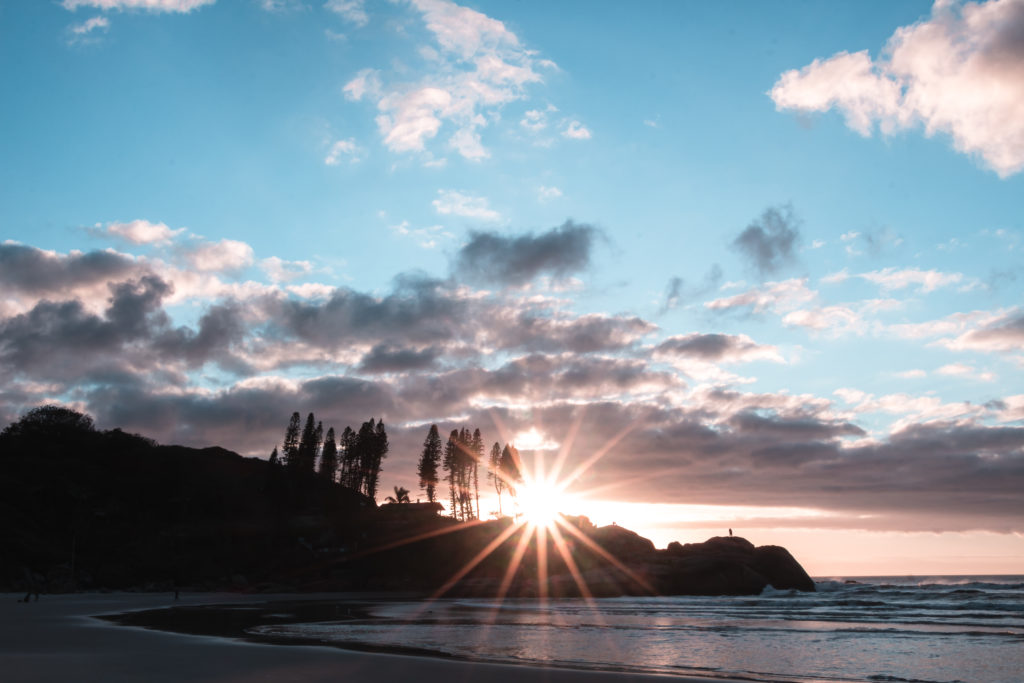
(922, 629)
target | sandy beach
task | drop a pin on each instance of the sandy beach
(57, 639)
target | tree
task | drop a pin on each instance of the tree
(309, 445)
(379, 452)
(349, 458)
(329, 458)
(290, 448)
(401, 496)
(429, 460)
(451, 465)
(494, 473)
(477, 447)
(50, 421)
(509, 468)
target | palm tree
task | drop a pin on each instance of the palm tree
(401, 496)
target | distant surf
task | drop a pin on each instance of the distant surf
(967, 629)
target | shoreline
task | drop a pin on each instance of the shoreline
(72, 637)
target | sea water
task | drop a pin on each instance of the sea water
(932, 629)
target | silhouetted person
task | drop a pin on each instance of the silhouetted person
(730, 533)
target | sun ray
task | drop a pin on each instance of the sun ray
(570, 564)
(608, 556)
(567, 443)
(477, 559)
(601, 452)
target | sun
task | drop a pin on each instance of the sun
(538, 502)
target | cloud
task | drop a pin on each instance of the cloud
(678, 292)
(900, 278)
(82, 32)
(779, 297)
(225, 255)
(453, 203)
(958, 72)
(279, 270)
(576, 131)
(727, 348)
(386, 358)
(183, 6)
(344, 148)
(33, 271)
(489, 257)
(996, 333)
(144, 232)
(351, 10)
(769, 244)
(966, 371)
(477, 68)
(546, 194)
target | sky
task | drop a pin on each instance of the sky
(724, 265)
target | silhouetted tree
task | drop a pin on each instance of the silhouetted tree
(510, 468)
(290, 448)
(380, 448)
(494, 473)
(309, 445)
(478, 454)
(349, 458)
(401, 496)
(329, 457)
(429, 460)
(451, 465)
(51, 421)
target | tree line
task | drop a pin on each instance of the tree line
(460, 458)
(354, 460)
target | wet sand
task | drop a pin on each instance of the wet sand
(58, 639)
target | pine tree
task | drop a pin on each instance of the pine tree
(349, 457)
(290, 449)
(451, 451)
(509, 467)
(308, 445)
(494, 473)
(478, 455)
(329, 458)
(380, 451)
(429, 460)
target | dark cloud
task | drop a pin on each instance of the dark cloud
(491, 258)
(34, 271)
(769, 243)
(712, 347)
(539, 330)
(386, 358)
(61, 340)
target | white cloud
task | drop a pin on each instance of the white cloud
(780, 297)
(576, 131)
(144, 232)
(342, 148)
(926, 280)
(279, 270)
(477, 67)
(837, 277)
(90, 25)
(225, 255)
(546, 194)
(912, 374)
(453, 203)
(964, 370)
(151, 5)
(351, 10)
(960, 72)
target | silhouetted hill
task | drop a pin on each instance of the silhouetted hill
(88, 509)
(85, 509)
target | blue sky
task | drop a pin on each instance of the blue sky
(781, 242)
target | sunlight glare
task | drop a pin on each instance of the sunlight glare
(538, 502)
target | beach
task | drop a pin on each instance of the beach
(57, 639)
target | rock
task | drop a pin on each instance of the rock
(622, 543)
(781, 569)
